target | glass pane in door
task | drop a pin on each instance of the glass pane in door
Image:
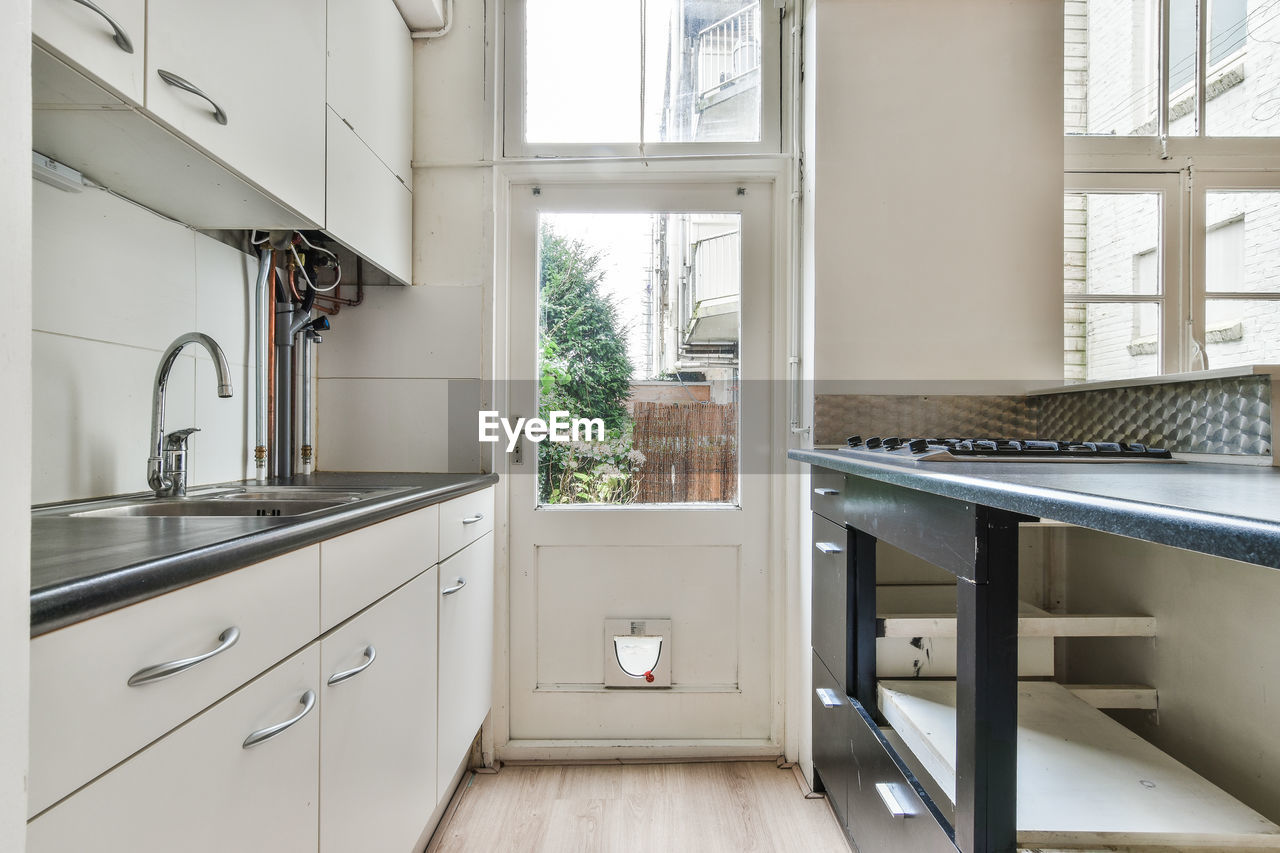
(638, 354)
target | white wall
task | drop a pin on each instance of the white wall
(400, 376)
(15, 414)
(938, 216)
(1215, 661)
(113, 285)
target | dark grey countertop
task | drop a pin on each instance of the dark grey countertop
(1214, 508)
(84, 567)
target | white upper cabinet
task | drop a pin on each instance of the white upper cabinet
(102, 38)
(369, 208)
(371, 78)
(245, 81)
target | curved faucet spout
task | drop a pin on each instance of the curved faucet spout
(162, 480)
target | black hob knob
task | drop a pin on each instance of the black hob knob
(854, 441)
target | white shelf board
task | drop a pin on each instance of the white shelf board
(1083, 779)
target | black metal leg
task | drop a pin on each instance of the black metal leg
(986, 690)
(862, 618)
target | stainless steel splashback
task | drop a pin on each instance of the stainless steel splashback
(1222, 415)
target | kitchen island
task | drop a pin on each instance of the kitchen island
(964, 517)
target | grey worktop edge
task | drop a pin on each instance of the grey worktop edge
(1235, 537)
(67, 603)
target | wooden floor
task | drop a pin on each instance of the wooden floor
(722, 807)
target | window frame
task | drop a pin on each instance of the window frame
(1206, 182)
(1187, 167)
(1173, 338)
(512, 110)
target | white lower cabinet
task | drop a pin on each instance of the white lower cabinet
(466, 653)
(358, 735)
(199, 789)
(377, 735)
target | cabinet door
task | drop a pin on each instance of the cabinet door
(87, 38)
(464, 520)
(371, 77)
(378, 733)
(833, 719)
(263, 65)
(358, 568)
(367, 209)
(98, 694)
(199, 790)
(466, 653)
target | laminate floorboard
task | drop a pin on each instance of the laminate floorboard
(714, 807)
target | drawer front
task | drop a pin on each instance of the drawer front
(831, 597)
(199, 790)
(466, 654)
(358, 568)
(832, 755)
(85, 715)
(878, 790)
(464, 520)
(826, 497)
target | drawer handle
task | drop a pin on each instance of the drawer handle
(826, 493)
(308, 701)
(370, 654)
(174, 80)
(472, 519)
(121, 38)
(450, 590)
(828, 697)
(828, 547)
(891, 795)
(226, 640)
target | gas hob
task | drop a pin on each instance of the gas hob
(1001, 450)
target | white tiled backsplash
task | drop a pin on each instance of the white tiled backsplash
(113, 284)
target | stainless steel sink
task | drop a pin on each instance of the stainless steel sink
(247, 501)
(212, 507)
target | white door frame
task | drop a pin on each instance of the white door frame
(783, 605)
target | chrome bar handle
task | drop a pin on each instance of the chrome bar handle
(891, 795)
(472, 519)
(826, 493)
(174, 80)
(160, 671)
(308, 701)
(828, 547)
(370, 654)
(828, 697)
(121, 38)
(450, 590)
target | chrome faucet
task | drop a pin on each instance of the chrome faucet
(167, 465)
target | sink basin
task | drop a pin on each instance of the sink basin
(244, 501)
(270, 507)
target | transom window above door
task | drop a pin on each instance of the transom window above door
(635, 77)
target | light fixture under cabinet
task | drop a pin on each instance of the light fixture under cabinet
(59, 175)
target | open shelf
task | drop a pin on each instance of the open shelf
(916, 631)
(1084, 781)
